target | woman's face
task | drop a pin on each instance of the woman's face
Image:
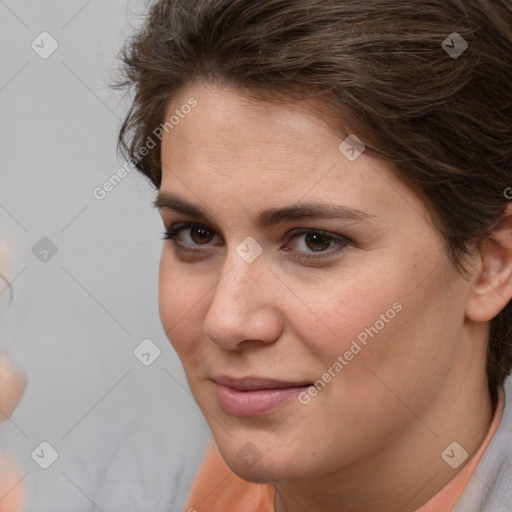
(361, 301)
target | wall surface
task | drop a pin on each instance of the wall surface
(84, 275)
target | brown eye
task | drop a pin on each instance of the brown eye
(189, 235)
(311, 244)
(314, 241)
(201, 235)
(317, 242)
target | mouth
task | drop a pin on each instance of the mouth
(254, 396)
(257, 383)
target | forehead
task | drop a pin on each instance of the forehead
(232, 146)
(230, 135)
(225, 120)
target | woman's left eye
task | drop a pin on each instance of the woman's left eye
(309, 241)
(315, 241)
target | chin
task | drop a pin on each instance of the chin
(261, 466)
(256, 475)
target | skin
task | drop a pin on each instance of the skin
(372, 438)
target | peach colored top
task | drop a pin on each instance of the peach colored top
(217, 489)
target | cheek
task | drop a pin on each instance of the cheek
(180, 301)
(345, 312)
(380, 318)
(405, 327)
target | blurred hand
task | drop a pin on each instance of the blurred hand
(12, 387)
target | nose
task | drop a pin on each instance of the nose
(243, 310)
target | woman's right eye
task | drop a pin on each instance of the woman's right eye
(189, 234)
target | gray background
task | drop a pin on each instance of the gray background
(129, 437)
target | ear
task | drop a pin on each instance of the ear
(492, 287)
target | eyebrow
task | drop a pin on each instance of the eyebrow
(270, 217)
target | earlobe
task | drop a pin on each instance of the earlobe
(492, 287)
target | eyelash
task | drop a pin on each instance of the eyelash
(176, 229)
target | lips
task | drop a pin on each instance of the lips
(255, 396)
(256, 383)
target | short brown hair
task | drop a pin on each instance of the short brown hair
(442, 121)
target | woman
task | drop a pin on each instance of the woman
(337, 271)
